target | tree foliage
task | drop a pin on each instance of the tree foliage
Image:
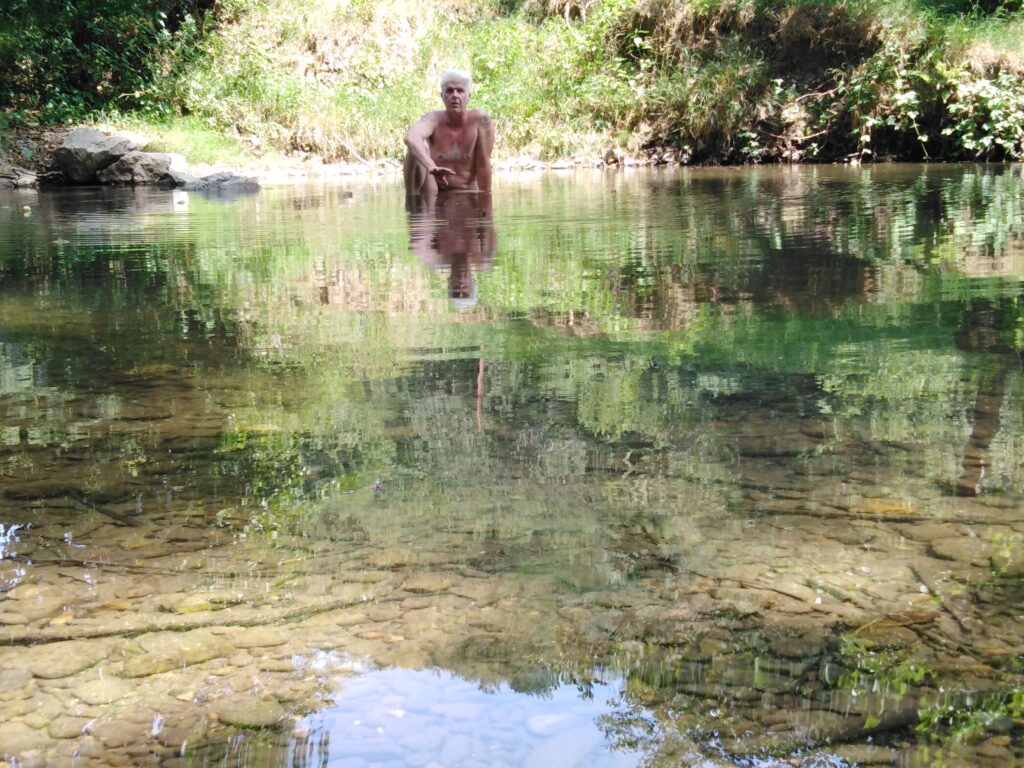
(61, 59)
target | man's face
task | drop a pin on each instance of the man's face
(454, 95)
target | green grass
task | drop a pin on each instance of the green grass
(189, 136)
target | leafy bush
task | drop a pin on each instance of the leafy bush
(61, 59)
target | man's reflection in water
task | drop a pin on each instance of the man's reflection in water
(454, 232)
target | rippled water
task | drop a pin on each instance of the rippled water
(703, 467)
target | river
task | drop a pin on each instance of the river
(642, 467)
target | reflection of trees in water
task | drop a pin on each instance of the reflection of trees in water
(989, 328)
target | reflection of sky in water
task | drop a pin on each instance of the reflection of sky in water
(401, 717)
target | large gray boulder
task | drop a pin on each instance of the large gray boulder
(87, 150)
(142, 168)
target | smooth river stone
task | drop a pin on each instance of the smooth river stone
(67, 727)
(175, 657)
(353, 593)
(103, 691)
(1010, 560)
(797, 647)
(58, 660)
(120, 733)
(930, 531)
(13, 679)
(248, 711)
(885, 507)
(258, 637)
(17, 738)
(183, 604)
(865, 754)
(393, 558)
(44, 708)
(427, 583)
(963, 549)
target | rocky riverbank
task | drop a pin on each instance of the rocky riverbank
(34, 161)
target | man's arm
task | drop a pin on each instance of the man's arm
(482, 155)
(417, 139)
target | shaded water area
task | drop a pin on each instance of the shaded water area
(682, 468)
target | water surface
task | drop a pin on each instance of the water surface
(699, 467)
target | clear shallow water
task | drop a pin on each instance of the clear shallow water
(747, 441)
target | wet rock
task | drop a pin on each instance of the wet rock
(141, 168)
(179, 652)
(743, 602)
(138, 588)
(427, 583)
(994, 750)
(223, 184)
(797, 646)
(865, 754)
(353, 593)
(67, 727)
(102, 691)
(880, 636)
(31, 490)
(42, 709)
(136, 541)
(885, 508)
(1009, 561)
(87, 150)
(964, 549)
(248, 711)
(188, 604)
(13, 679)
(926, 532)
(120, 732)
(392, 558)
(16, 178)
(240, 659)
(179, 178)
(16, 739)
(180, 728)
(59, 660)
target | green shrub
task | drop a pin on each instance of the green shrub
(61, 59)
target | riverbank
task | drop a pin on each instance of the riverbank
(725, 82)
(30, 161)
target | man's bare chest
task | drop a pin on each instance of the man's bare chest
(453, 145)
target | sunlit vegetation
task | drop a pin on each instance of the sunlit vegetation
(721, 81)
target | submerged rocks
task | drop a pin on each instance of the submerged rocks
(248, 711)
(223, 183)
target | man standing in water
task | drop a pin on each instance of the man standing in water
(450, 149)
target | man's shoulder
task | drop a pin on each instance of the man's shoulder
(479, 116)
(431, 118)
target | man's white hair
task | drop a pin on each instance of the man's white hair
(457, 76)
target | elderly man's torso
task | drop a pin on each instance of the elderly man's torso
(454, 147)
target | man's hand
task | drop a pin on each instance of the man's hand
(441, 173)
